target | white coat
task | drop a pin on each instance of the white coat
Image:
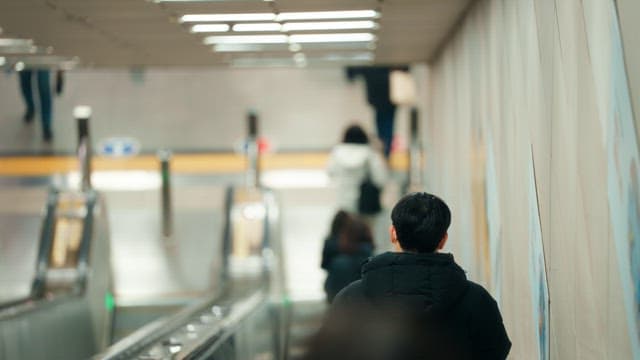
(347, 169)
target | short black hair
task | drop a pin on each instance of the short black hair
(421, 220)
(355, 135)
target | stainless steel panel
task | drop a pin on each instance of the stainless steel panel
(20, 221)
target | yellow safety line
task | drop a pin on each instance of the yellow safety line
(180, 163)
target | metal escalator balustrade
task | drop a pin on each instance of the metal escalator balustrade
(246, 319)
(70, 285)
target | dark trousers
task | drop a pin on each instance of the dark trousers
(384, 124)
(44, 92)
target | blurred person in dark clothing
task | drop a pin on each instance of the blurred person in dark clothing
(354, 246)
(419, 279)
(378, 90)
(42, 78)
(330, 247)
(378, 332)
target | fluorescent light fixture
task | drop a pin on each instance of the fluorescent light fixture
(227, 17)
(19, 50)
(246, 39)
(324, 15)
(285, 16)
(15, 42)
(329, 25)
(350, 57)
(200, 28)
(321, 38)
(257, 27)
(249, 47)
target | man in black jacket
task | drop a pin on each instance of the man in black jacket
(430, 285)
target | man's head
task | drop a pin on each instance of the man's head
(420, 222)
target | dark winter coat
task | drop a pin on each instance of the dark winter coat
(433, 287)
(343, 269)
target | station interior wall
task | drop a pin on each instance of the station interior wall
(197, 109)
(535, 81)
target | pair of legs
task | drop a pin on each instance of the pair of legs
(384, 125)
(44, 92)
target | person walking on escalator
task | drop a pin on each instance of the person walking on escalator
(354, 245)
(350, 163)
(417, 277)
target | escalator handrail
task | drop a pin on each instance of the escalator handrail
(37, 297)
(86, 240)
(42, 260)
(47, 235)
(159, 329)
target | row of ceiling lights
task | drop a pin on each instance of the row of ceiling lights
(323, 22)
(285, 27)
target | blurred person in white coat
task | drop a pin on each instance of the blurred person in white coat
(350, 162)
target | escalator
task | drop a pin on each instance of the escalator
(66, 314)
(246, 318)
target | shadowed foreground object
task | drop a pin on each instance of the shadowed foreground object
(387, 333)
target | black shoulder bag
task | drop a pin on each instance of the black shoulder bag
(369, 200)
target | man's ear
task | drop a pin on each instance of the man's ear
(394, 238)
(443, 241)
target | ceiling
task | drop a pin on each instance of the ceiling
(144, 33)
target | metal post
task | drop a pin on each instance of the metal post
(415, 154)
(167, 209)
(85, 153)
(253, 152)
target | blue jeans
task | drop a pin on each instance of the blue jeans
(44, 92)
(384, 125)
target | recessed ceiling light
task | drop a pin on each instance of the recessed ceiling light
(320, 38)
(329, 25)
(246, 39)
(227, 17)
(257, 27)
(15, 42)
(311, 15)
(200, 28)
